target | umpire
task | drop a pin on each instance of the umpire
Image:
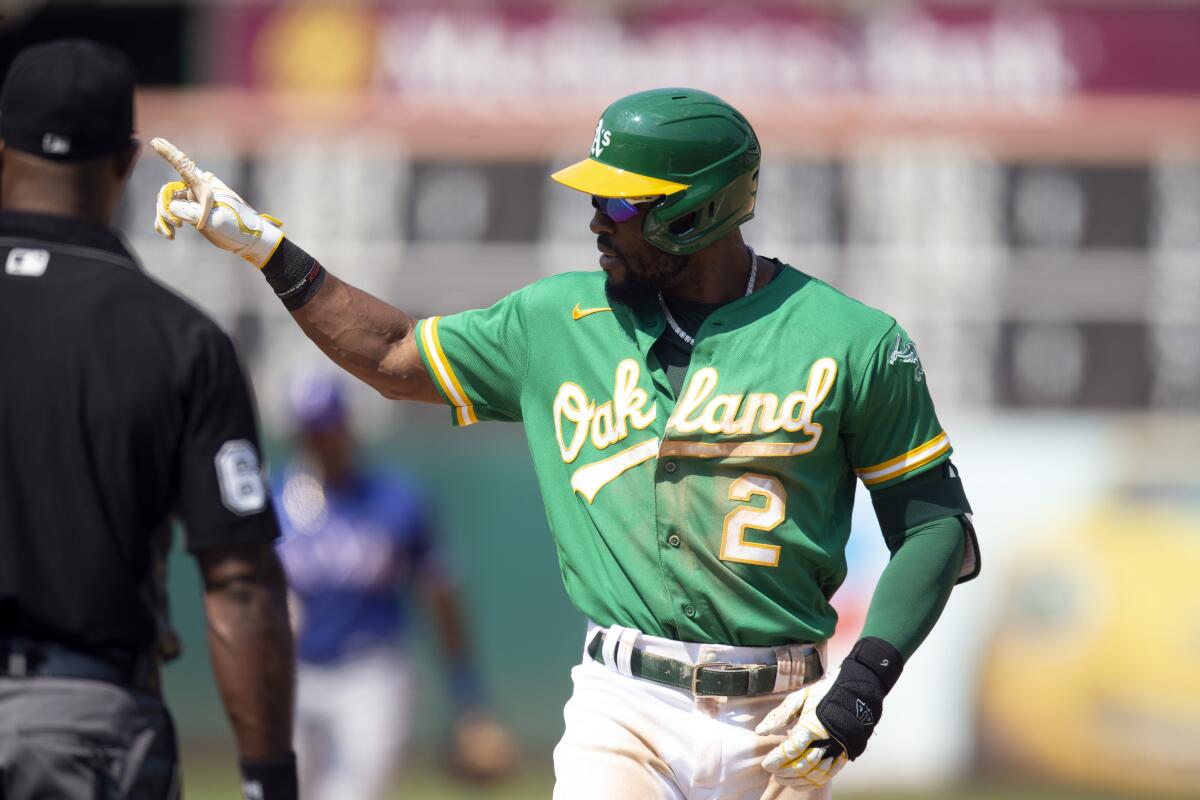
(122, 407)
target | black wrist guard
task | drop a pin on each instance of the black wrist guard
(270, 780)
(855, 701)
(294, 275)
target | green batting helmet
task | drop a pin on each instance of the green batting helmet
(688, 145)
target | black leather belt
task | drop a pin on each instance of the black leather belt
(707, 680)
(30, 658)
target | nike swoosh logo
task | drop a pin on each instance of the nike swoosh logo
(580, 313)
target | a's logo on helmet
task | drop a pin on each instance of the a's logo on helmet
(602, 140)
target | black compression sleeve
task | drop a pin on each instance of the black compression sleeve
(295, 276)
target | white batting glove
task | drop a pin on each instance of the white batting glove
(801, 760)
(202, 200)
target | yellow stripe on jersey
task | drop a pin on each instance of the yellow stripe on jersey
(444, 373)
(903, 464)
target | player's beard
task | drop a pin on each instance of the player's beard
(642, 276)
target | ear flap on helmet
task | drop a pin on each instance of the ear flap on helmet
(697, 217)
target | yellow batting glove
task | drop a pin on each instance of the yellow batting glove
(165, 222)
(809, 757)
(220, 214)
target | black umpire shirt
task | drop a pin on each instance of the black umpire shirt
(121, 407)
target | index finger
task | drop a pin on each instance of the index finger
(177, 159)
(187, 169)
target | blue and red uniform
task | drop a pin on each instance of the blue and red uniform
(352, 553)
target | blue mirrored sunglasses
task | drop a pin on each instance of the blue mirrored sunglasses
(619, 209)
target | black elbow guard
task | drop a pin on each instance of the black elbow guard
(937, 494)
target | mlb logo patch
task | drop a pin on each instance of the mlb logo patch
(26, 263)
(55, 144)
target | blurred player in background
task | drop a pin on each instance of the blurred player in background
(357, 540)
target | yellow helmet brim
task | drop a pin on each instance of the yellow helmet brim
(594, 177)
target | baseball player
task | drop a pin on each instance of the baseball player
(698, 416)
(356, 540)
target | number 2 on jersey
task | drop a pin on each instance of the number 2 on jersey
(734, 546)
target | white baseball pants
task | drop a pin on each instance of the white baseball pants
(631, 739)
(352, 722)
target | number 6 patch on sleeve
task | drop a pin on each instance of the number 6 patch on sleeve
(240, 477)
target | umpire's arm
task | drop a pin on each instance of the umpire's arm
(231, 530)
(250, 643)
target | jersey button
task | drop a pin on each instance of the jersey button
(689, 611)
(669, 466)
(674, 540)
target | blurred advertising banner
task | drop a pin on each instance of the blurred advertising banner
(1019, 183)
(1044, 668)
(1000, 52)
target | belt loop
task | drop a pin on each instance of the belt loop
(629, 637)
(612, 637)
(783, 668)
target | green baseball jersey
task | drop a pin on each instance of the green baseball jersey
(720, 515)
